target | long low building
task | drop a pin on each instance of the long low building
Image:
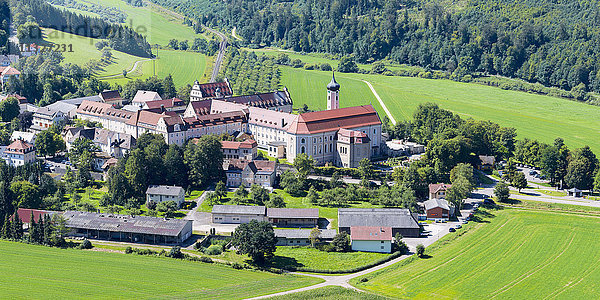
(139, 229)
(301, 237)
(237, 214)
(400, 220)
(303, 217)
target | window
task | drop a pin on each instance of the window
(381, 247)
(302, 141)
(302, 150)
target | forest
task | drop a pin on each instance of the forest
(554, 43)
(121, 38)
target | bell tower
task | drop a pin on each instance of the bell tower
(333, 94)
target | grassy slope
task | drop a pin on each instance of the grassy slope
(313, 258)
(534, 116)
(29, 270)
(518, 254)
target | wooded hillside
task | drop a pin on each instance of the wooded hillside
(551, 42)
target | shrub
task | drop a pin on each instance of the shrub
(297, 63)
(176, 252)
(325, 67)
(205, 259)
(237, 266)
(214, 250)
(86, 244)
(128, 250)
(420, 250)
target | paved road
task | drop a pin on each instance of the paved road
(387, 111)
(220, 55)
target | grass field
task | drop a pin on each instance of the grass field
(512, 254)
(330, 293)
(29, 270)
(534, 116)
(313, 258)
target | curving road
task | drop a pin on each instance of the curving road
(135, 66)
(220, 55)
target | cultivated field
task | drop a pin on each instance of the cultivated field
(513, 254)
(330, 293)
(308, 257)
(27, 270)
(534, 116)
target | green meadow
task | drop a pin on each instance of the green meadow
(534, 116)
(29, 271)
(511, 254)
(330, 293)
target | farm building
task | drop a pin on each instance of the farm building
(400, 220)
(140, 229)
(371, 239)
(237, 214)
(303, 217)
(26, 213)
(163, 193)
(438, 190)
(300, 237)
(438, 209)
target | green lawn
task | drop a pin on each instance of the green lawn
(330, 293)
(552, 193)
(185, 67)
(308, 257)
(193, 195)
(534, 116)
(32, 271)
(513, 254)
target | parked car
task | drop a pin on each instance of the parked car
(489, 202)
(465, 222)
(532, 172)
(458, 226)
(451, 229)
(468, 219)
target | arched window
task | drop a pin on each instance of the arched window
(302, 141)
(302, 149)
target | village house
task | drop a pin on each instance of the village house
(19, 153)
(141, 97)
(371, 239)
(7, 60)
(438, 209)
(487, 162)
(301, 237)
(247, 150)
(112, 97)
(127, 228)
(7, 72)
(400, 220)
(159, 106)
(259, 172)
(28, 137)
(112, 143)
(45, 117)
(237, 214)
(293, 217)
(397, 148)
(438, 190)
(210, 90)
(163, 193)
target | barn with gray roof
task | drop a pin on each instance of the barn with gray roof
(238, 214)
(139, 229)
(401, 220)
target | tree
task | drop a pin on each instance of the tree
(78, 147)
(9, 109)
(400, 244)
(315, 236)
(304, 164)
(204, 160)
(26, 194)
(177, 171)
(420, 250)
(125, 73)
(257, 239)
(597, 181)
(220, 190)
(365, 169)
(313, 196)
(581, 168)
(276, 201)
(347, 65)
(336, 180)
(167, 207)
(48, 142)
(241, 192)
(258, 195)
(341, 242)
(502, 192)
(136, 172)
(519, 181)
(290, 182)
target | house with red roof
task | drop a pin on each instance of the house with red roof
(7, 72)
(371, 239)
(210, 90)
(19, 153)
(438, 190)
(247, 149)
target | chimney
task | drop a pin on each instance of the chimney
(162, 108)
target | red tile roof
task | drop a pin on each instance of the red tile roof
(365, 233)
(247, 144)
(167, 103)
(25, 214)
(111, 96)
(331, 120)
(209, 89)
(19, 146)
(436, 187)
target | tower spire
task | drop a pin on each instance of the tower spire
(333, 94)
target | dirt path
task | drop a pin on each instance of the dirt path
(387, 111)
(237, 37)
(133, 69)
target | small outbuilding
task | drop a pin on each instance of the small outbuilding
(575, 192)
(293, 217)
(237, 214)
(301, 237)
(163, 193)
(371, 239)
(438, 209)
